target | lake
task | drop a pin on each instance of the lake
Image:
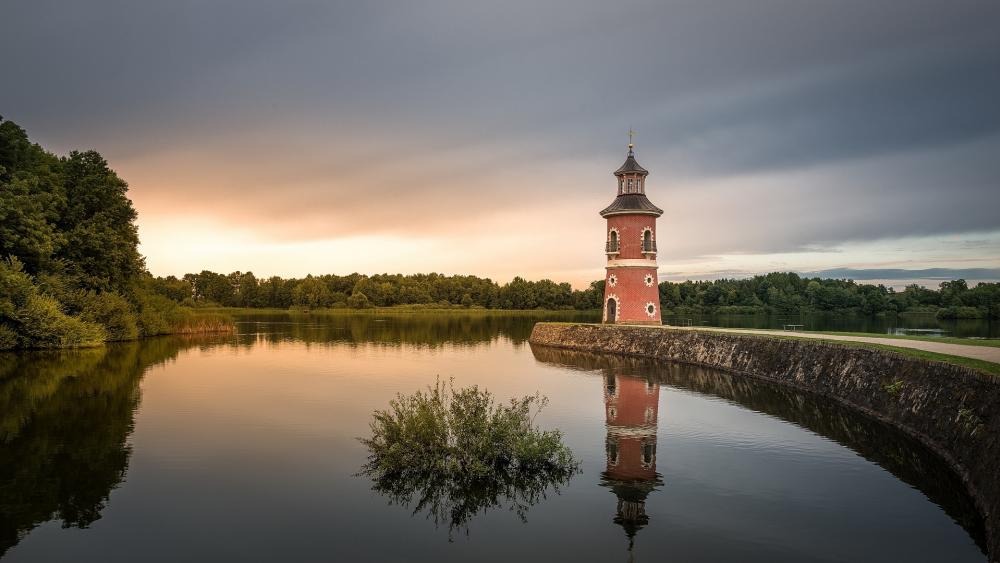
(244, 448)
(912, 324)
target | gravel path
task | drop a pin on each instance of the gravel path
(985, 353)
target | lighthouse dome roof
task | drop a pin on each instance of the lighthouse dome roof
(629, 204)
(631, 167)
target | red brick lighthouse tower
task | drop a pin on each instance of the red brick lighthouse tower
(631, 292)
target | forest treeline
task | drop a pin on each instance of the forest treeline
(789, 293)
(70, 269)
(359, 291)
(780, 293)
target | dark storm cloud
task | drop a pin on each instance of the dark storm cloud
(892, 102)
(926, 98)
(517, 68)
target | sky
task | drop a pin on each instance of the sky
(409, 136)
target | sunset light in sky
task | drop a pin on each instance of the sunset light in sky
(303, 137)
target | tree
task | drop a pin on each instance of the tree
(210, 286)
(311, 293)
(25, 231)
(358, 301)
(102, 240)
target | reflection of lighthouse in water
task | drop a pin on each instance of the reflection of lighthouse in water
(630, 408)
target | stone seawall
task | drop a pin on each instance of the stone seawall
(953, 410)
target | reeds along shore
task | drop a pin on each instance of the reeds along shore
(203, 323)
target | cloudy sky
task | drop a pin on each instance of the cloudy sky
(472, 137)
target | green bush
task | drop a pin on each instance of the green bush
(960, 313)
(8, 338)
(155, 314)
(461, 453)
(112, 311)
(42, 324)
(36, 320)
(358, 300)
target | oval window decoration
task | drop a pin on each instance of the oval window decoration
(651, 309)
(612, 280)
(649, 280)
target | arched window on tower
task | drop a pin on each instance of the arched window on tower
(647, 241)
(613, 242)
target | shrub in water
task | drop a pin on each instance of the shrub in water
(455, 453)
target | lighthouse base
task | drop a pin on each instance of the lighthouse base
(631, 296)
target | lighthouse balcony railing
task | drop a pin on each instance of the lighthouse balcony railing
(649, 246)
(611, 247)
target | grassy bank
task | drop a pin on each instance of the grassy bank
(990, 342)
(71, 332)
(980, 365)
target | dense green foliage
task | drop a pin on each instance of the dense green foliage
(789, 293)
(459, 453)
(70, 269)
(358, 291)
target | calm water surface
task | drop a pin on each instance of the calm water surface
(243, 448)
(914, 324)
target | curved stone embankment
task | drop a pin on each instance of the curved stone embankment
(953, 410)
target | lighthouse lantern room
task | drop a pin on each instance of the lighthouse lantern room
(631, 288)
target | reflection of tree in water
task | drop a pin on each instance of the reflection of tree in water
(392, 329)
(900, 454)
(454, 502)
(65, 417)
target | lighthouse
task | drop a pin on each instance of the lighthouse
(631, 288)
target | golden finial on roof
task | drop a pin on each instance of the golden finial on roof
(630, 143)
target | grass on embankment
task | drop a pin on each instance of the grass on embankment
(980, 365)
(990, 342)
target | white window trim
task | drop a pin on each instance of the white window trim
(618, 307)
(652, 314)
